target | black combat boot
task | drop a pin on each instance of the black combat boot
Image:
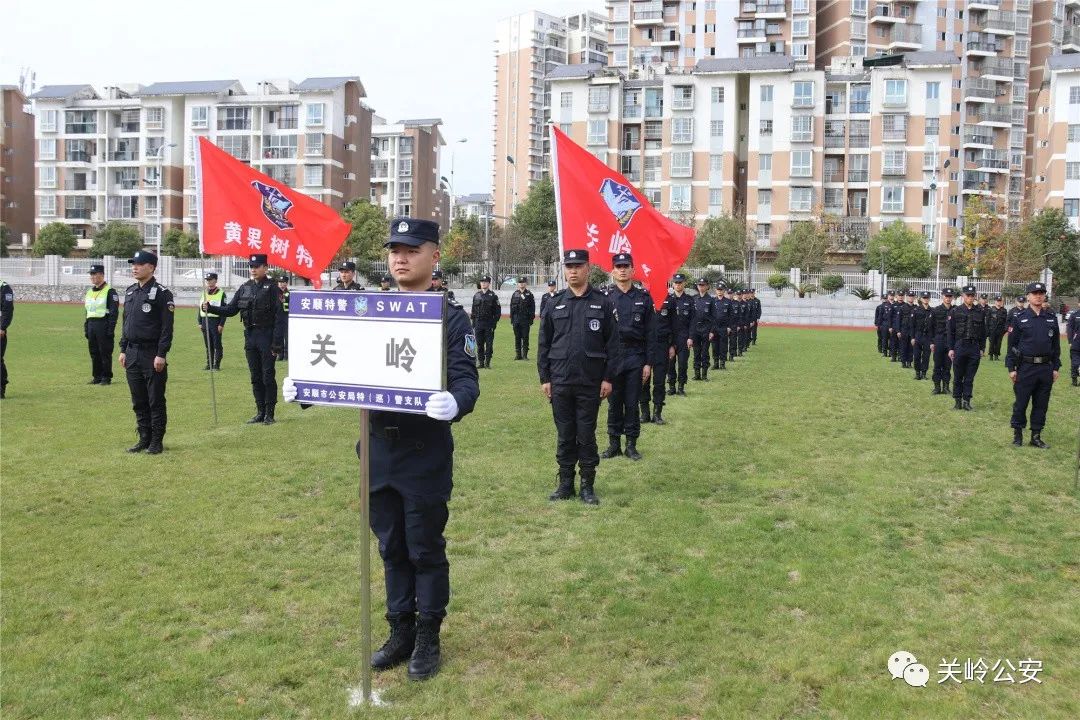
(155, 447)
(144, 442)
(565, 490)
(1037, 441)
(1076, 381)
(631, 449)
(1018, 437)
(260, 414)
(705, 373)
(207, 366)
(517, 355)
(937, 388)
(587, 495)
(399, 646)
(268, 416)
(644, 412)
(671, 390)
(425, 659)
(697, 373)
(959, 404)
(613, 449)
(945, 387)
(658, 418)
(967, 404)
(95, 381)
(682, 389)
(723, 364)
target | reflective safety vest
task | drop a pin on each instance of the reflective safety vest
(213, 298)
(285, 301)
(97, 302)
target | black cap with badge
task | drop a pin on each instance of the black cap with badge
(702, 281)
(679, 278)
(1021, 299)
(523, 279)
(387, 278)
(552, 283)
(257, 261)
(348, 265)
(485, 278)
(436, 275)
(210, 276)
(925, 294)
(97, 269)
(410, 231)
(1036, 287)
(576, 257)
(948, 292)
(143, 257)
(970, 290)
(621, 259)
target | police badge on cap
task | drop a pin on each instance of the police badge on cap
(1036, 287)
(413, 232)
(575, 257)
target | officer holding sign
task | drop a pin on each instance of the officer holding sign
(102, 310)
(411, 465)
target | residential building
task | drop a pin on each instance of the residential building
(128, 153)
(405, 169)
(16, 165)
(1055, 181)
(473, 205)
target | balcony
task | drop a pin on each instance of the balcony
(631, 112)
(993, 115)
(649, 13)
(124, 155)
(859, 141)
(978, 186)
(906, 37)
(984, 4)
(599, 104)
(769, 9)
(279, 153)
(1070, 42)
(80, 128)
(77, 214)
(833, 175)
(991, 161)
(977, 138)
(78, 156)
(894, 170)
(860, 107)
(1000, 70)
(894, 134)
(669, 38)
(835, 141)
(997, 22)
(750, 35)
(858, 176)
(886, 14)
(682, 103)
(981, 90)
(849, 234)
(654, 111)
(982, 49)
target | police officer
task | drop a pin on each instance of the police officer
(145, 340)
(984, 302)
(895, 317)
(283, 288)
(384, 283)
(1072, 334)
(939, 344)
(906, 333)
(637, 335)
(578, 359)
(212, 327)
(880, 313)
(922, 323)
(486, 312)
(522, 313)
(996, 322)
(682, 323)
(438, 284)
(102, 310)
(703, 327)
(663, 344)
(7, 311)
(546, 298)
(411, 463)
(347, 277)
(735, 325)
(258, 301)
(721, 326)
(1016, 308)
(1033, 360)
(755, 315)
(966, 327)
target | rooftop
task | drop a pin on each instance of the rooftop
(189, 87)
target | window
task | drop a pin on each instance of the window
(860, 98)
(48, 120)
(765, 127)
(277, 147)
(566, 99)
(716, 128)
(716, 163)
(802, 128)
(683, 97)
(892, 198)
(804, 94)
(287, 117)
(933, 126)
(47, 149)
(404, 168)
(764, 198)
(765, 162)
(565, 127)
(239, 146)
(802, 199)
(800, 27)
(1072, 171)
(717, 95)
(404, 191)
(716, 197)
(800, 6)
(681, 164)
(682, 130)
(1074, 133)
(234, 118)
(313, 144)
(200, 115)
(680, 197)
(47, 206)
(1071, 207)
(315, 114)
(597, 132)
(1074, 95)
(858, 50)
(896, 92)
(1020, 47)
(764, 233)
(933, 90)
(766, 93)
(313, 176)
(622, 34)
(598, 99)
(620, 56)
(405, 146)
(894, 162)
(155, 118)
(801, 163)
(47, 177)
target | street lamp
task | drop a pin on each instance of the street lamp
(159, 156)
(513, 201)
(453, 148)
(934, 219)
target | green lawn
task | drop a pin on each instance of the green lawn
(801, 517)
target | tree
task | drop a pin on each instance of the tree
(1060, 244)
(534, 224)
(56, 238)
(904, 249)
(805, 246)
(180, 244)
(982, 229)
(116, 238)
(5, 237)
(370, 230)
(721, 241)
(471, 232)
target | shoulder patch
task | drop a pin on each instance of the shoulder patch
(470, 346)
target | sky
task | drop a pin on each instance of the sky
(416, 59)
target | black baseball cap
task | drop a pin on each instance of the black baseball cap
(1036, 287)
(622, 259)
(145, 257)
(576, 257)
(257, 260)
(97, 269)
(347, 265)
(210, 276)
(410, 231)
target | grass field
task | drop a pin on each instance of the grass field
(801, 517)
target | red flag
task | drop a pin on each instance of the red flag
(600, 210)
(243, 212)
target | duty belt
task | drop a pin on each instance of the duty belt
(1035, 359)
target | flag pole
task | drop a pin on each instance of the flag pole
(365, 558)
(202, 256)
(553, 141)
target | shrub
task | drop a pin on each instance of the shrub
(863, 293)
(832, 283)
(778, 281)
(806, 289)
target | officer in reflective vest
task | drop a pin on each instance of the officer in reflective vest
(99, 329)
(212, 326)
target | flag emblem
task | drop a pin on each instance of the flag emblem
(360, 306)
(274, 204)
(620, 201)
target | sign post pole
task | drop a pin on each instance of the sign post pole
(365, 559)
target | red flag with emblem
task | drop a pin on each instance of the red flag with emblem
(600, 210)
(243, 212)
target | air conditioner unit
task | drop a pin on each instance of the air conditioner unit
(350, 176)
(350, 147)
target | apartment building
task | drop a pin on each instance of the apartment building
(128, 152)
(777, 142)
(16, 164)
(472, 205)
(405, 177)
(1055, 182)
(528, 47)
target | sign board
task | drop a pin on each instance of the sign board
(374, 350)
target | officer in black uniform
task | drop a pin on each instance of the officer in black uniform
(579, 356)
(347, 277)
(546, 298)
(939, 343)
(704, 325)
(411, 463)
(145, 340)
(1013, 311)
(663, 344)
(721, 318)
(1033, 360)
(984, 302)
(734, 324)
(99, 329)
(922, 326)
(384, 283)
(682, 324)
(637, 335)
(907, 333)
(522, 314)
(212, 327)
(438, 283)
(879, 322)
(1072, 335)
(895, 315)
(258, 301)
(755, 315)
(966, 328)
(486, 312)
(7, 311)
(996, 322)
(283, 288)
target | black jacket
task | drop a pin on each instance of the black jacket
(148, 317)
(522, 307)
(579, 340)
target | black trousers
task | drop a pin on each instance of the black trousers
(413, 550)
(942, 363)
(882, 339)
(921, 353)
(733, 343)
(575, 409)
(753, 333)
(719, 347)
(147, 388)
(965, 365)
(521, 339)
(907, 352)
(3, 365)
(212, 342)
(1033, 383)
(677, 366)
(894, 345)
(701, 350)
(624, 415)
(485, 343)
(1074, 356)
(100, 341)
(995, 343)
(260, 360)
(654, 389)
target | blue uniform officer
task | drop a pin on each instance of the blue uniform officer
(1033, 361)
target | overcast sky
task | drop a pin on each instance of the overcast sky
(424, 58)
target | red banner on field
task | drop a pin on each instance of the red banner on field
(600, 210)
(243, 212)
